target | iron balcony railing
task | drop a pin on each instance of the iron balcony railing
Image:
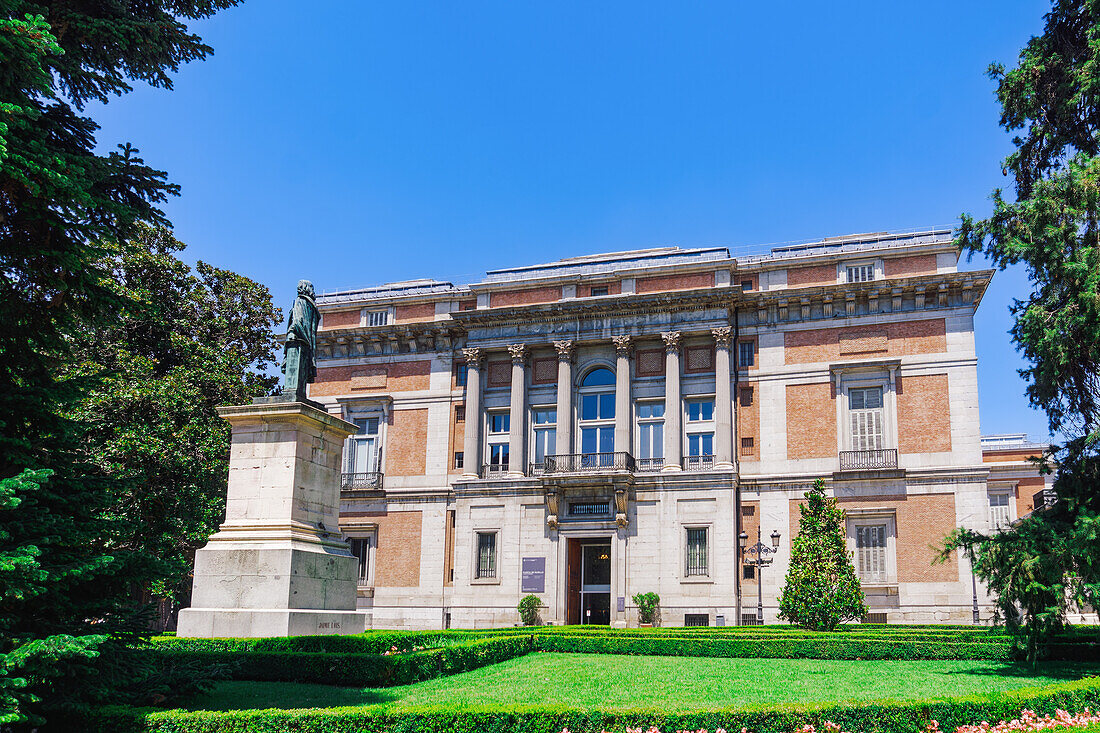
(494, 470)
(645, 465)
(371, 480)
(536, 469)
(860, 460)
(698, 463)
(589, 462)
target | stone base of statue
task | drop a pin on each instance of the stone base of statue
(278, 565)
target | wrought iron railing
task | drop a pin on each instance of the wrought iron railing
(589, 462)
(858, 460)
(698, 463)
(371, 480)
(642, 465)
(494, 470)
(536, 469)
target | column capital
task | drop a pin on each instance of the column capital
(672, 340)
(518, 352)
(473, 356)
(565, 350)
(722, 336)
(622, 345)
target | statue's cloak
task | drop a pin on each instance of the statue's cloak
(302, 327)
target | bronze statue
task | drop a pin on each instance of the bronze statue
(300, 349)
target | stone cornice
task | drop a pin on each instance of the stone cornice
(406, 338)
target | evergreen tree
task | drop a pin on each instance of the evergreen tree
(821, 588)
(1052, 228)
(68, 588)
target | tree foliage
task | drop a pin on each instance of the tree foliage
(821, 588)
(1051, 227)
(63, 206)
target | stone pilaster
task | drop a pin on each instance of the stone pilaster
(564, 439)
(622, 394)
(673, 439)
(517, 435)
(471, 444)
(723, 405)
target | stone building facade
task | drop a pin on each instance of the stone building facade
(602, 426)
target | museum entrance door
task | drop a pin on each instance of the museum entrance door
(595, 576)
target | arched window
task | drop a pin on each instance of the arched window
(597, 416)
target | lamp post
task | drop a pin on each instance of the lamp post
(761, 552)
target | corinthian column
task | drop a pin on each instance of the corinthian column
(673, 438)
(517, 435)
(723, 405)
(563, 443)
(622, 393)
(471, 444)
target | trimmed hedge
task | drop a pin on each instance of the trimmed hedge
(875, 717)
(343, 668)
(371, 642)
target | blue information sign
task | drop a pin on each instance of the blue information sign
(533, 578)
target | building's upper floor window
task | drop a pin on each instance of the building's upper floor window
(651, 430)
(362, 548)
(700, 410)
(378, 318)
(871, 552)
(865, 411)
(861, 273)
(597, 412)
(598, 290)
(364, 448)
(700, 429)
(746, 354)
(545, 421)
(999, 516)
(461, 371)
(746, 284)
(500, 425)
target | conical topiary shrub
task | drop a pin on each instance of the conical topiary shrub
(821, 588)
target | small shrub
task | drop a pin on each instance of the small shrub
(647, 606)
(529, 609)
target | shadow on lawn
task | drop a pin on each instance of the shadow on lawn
(240, 695)
(1055, 670)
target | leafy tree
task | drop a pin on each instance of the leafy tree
(62, 208)
(821, 588)
(1051, 228)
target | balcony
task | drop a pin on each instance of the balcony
(494, 470)
(648, 465)
(868, 460)
(698, 463)
(589, 463)
(1044, 499)
(370, 481)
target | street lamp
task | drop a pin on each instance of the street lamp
(761, 560)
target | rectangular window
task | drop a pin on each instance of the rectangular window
(748, 445)
(362, 454)
(746, 284)
(865, 413)
(545, 422)
(598, 406)
(460, 374)
(701, 444)
(499, 423)
(598, 290)
(459, 459)
(486, 555)
(460, 413)
(700, 410)
(861, 273)
(748, 572)
(499, 426)
(651, 431)
(998, 510)
(361, 550)
(696, 551)
(871, 552)
(746, 353)
(746, 396)
(588, 508)
(696, 619)
(378, 318)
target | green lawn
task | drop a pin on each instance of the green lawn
(607, 681)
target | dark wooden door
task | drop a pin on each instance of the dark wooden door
(573, 592)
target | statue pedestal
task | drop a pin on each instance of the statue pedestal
(277, 566)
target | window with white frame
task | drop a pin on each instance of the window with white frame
(651, 431)
(696, 554)
(865, 417)
(999, 509)
(871, 547)
(545, 422)
(486, 555)
(499, 426)
(861, 273)
(700, 428)
(378, 318)
(363, 451)
(362, 543)
(597, 412)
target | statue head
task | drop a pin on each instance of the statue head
(305, 289)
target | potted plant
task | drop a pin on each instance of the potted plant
(647, 607)
(529, 609)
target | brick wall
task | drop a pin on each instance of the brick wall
(614, 287)
(414, 313)
(909, 266)
(804, 277)
(1010, 455)
(397, 557)
(674, 282)
(1025, 493)
(524, 297)
(811, 421)
(903, 338)
(748, 419)
(749, 525)
(407, 442)
(924, 414)
(401, 376)
(340, 319)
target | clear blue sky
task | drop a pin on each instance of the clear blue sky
(387, 141)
